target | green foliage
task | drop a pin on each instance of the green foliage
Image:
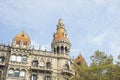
(101, 68)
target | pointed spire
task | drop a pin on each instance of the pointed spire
(60, 24)
(60, 38)
(60, 21)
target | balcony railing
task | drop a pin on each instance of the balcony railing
(18, 63)
(67, 71)
(15, 78)
(41, 68)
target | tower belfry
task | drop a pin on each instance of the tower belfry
(60, 43)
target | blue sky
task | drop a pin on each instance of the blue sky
(91, 24)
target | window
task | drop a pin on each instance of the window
(13, 58)
(47, 77)
(19, 58)
(1, 59)
(11, 73)
(34, 77)
(22, 74)
(66, 66)
(48, 65)
(24, 59)
(35, 63)
(16, 73)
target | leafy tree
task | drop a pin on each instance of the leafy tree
(101, 67)
(80, 72)
(117, 69)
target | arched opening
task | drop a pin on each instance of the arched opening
(22, 73)
(48, 65)
(58, 49)
(66, 50)
(11, 73)
(33, 77)
(19, 58)
(35, 63)
(62, 49)
(13, 57)
(54, 50)
(2, 59)
(47, 78)
(24, 59)
(16, 73)
(67, 67)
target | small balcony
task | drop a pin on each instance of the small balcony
(17, 63)
(14, 78)
(68, 72)
(41, 68)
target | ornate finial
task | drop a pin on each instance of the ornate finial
(60, 21)
(60, 24)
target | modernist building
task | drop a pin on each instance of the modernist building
(19, 61)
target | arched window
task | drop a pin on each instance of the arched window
(66, 49)
(33, 77)
(35, 63)
(57, 49)
(11, 73)
(22, 74)
(62, 49)
(19, 58)
(67, 67)
(24, 59)
(54, 50)
(16, 73)
(13, 57)
(48, 65)
(47, 77)
(2, 59)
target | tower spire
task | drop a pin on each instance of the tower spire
(60, 43)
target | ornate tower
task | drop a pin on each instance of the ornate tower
(21, 40)
(60, 43)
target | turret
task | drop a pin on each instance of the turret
(60, 43)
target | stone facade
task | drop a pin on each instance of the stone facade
(19, 61)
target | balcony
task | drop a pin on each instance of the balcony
(14, 78)
(69, 72)
(18, 63)
(41, 68)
